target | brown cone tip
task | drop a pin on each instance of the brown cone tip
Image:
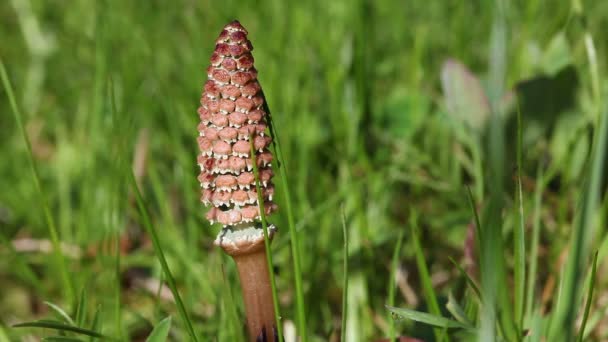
(232, 111)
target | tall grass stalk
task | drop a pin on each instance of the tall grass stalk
(519, 244)
(50, 222)
(425, 277)
(147, 223)
(119, 161)
(293, 233)
(275, 299)
(345, 279)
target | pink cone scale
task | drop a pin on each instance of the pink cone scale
(231, 113)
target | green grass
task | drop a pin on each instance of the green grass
(42, 198)
(293, 233)
(345, 280)
(98, 139)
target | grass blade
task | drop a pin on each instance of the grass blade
(117, 289)
(96, 322)
(426, 318)
(536, 328)
(275, 299)
(582, 234)
(61, 312)
(468, 279)
(147, 223)
(492, 268)
(478, 232)
(391, 283)
(581, 333)
(533, 257)
(293, 233)
(425, 278)
(67, 283)
(55, 325)
(81, 309)
(345, 280)
(160, 331)
(457, 311)
(519, 248)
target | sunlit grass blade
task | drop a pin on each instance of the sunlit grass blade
(581, 332)
(425, 277)
(345, 280)
(160, 331)
(50, 222)
(592, 62)
(60, 312)
(468, 278)
(258, 188)
(391, 283)
(426, 318)
(519, 244)
(293, 233)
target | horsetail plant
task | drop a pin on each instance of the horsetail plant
(236, 174)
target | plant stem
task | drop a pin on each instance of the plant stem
(257, 292)
(247, 246)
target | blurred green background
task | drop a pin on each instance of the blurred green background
(382, 109)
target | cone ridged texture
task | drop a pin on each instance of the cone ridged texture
(231, 112)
